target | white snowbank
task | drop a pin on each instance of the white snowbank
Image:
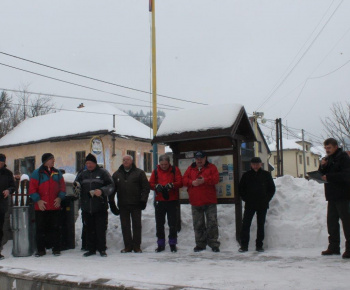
(200, 119)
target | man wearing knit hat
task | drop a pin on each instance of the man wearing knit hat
(47, 189)
(96, 186)
(256, 189)
(7, 187)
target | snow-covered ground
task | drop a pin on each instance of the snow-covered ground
(295, 235)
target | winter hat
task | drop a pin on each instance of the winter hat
(199, 154)
(255, 160)
(2, 157)
(91, 158)
(46, 157)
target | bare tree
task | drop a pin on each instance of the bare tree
(16, 108)
(337, 125)
(5, 109)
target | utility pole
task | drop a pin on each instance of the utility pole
(303, 140)
(279, 147)
(257, 115)
(154, 81)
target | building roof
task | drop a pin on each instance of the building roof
(296, 144)
(204, 122)
(84, 121)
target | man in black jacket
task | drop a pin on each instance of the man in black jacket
(336, 172)
(132, 189)
(7, 187)
(96, 185)
(256, 188)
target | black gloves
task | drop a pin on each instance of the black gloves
(114, 209)
(159, 188)
(143, 205)
(169, 186)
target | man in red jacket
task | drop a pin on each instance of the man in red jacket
(47, 189)
(200, 179)
(166, 181)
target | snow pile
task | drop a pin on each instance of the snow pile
(24, 177)
(296, 219)
(200, 119)
(68, 177)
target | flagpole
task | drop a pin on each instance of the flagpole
(154, 81)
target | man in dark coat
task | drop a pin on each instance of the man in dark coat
(256, 189)
(7, 187)
(336, 172)
(96, 185)
(132, 191)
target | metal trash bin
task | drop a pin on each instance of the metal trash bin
(23, 228)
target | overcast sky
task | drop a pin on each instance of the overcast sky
(257, 53)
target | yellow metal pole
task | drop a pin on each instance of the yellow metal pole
(154, 82)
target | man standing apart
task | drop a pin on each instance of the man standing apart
(256, 189)
(96, 185)
(132, 190)
(336, 172)
(47, 189)
(200, 179)
(7, 187)
(165, 181)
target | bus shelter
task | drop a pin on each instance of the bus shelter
(219, 131)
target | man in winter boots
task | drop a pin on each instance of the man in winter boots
(47, 189)
(165, 181)
(336, 172)
(96, 186)
(132, 189)
(7, 187)
(200, 179)
(256, 189)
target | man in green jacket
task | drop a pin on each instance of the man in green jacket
(132, 190)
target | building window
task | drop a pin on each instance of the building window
(259, 147)
(315, 161)
(274, 159)
(147, 162)
(307, 147)
(79, 160)
(25, 165)
(300, 159)
(308, 160)
(131, 153)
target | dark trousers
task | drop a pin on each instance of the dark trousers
(168, 209)
(2, 220)
(96, 229)
(338, 210)
(205, 224)
(247, 221)
(131, 240)
(47, 229)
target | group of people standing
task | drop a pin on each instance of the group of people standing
(97, 190)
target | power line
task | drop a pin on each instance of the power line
(78, 85)
(302, 56)
(98, 80)
(82, 99)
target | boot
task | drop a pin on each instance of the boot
(330, 252)
(346, 254)
(161, 245)
(198, 249)
(126, 250)
(173, 248)
(89, 253)
(160, 249)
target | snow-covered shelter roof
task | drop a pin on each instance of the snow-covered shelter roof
(296, 144)
(206, 122)
(80, 122)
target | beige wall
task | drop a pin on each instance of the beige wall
(291, 163)
(64, 152)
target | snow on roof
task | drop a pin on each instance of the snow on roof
(65, 123)
(291, 144)
(200, 119)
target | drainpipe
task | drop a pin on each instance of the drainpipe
(296, 162)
